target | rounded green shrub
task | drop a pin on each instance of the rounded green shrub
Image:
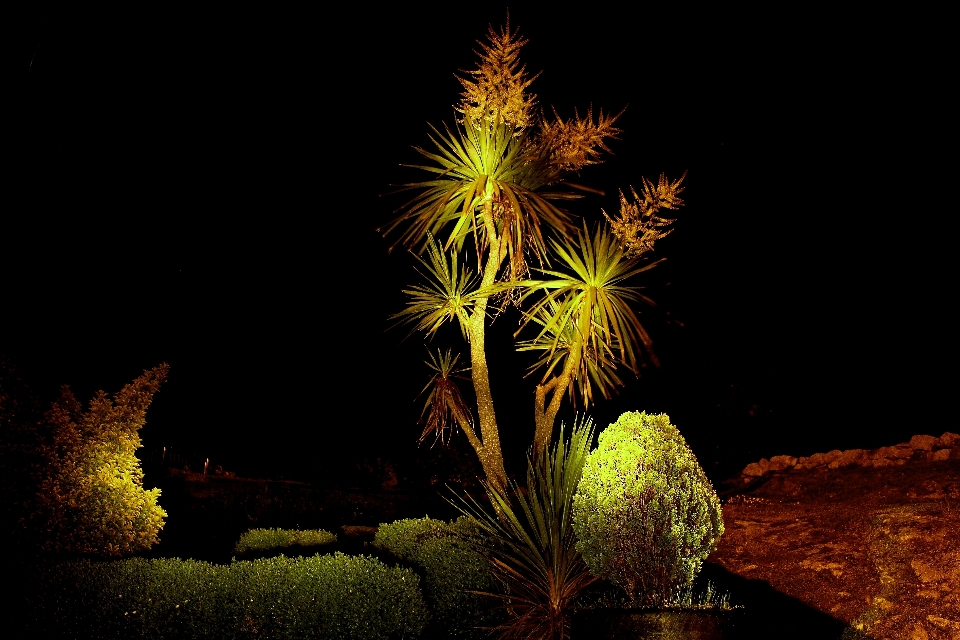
(644, 513)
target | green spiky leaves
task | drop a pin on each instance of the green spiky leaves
(587, 320)
(449, 293)
(530, 542)
(478, 171)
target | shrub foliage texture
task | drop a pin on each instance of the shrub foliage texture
(451, 571)
(91, 499)
(266, 540)
(645, 514)
(329, 597)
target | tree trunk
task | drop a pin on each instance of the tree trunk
(490, 454)
(546, 414)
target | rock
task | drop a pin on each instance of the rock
(896, 452)
(920, 447)
(753, 469)
(923, 443)
(849, 457)
(949, 440)
(822, 459)
(779, 463)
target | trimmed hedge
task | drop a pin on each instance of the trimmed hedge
(263, 540)
(438, 551)
(333, 596)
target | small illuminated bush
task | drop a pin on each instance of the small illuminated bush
(91, 499)
(645, 514)
(262, 540)
(450, 570)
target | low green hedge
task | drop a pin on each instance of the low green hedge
(261, 540)
(438, 551)
(333, 596)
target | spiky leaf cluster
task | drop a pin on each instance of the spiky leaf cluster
(530, 543)
(587, 316)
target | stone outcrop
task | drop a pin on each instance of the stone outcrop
(919, 448)
(876, 548)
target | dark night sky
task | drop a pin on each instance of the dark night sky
(204, 190)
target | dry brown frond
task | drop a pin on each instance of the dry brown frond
(496, 92)
(638, 226)
(445, 408)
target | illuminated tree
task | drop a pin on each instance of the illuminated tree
(91, 499)
(494, 200)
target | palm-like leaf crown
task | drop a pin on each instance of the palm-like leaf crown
(561, 343)
(495, 163)
(448, 293)
(586, 318)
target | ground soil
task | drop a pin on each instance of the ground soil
(878, 549)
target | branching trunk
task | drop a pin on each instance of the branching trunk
(546, 414)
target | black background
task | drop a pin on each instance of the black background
(203, 188)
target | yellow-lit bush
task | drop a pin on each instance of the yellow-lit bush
(91, 499)
(645, 514)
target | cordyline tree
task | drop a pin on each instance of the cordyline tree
(496, 199)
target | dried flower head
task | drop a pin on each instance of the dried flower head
(573, 144)
(495, 94)
(638, 226)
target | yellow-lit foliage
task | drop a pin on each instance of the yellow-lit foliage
(638, 226)
(91, 499)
